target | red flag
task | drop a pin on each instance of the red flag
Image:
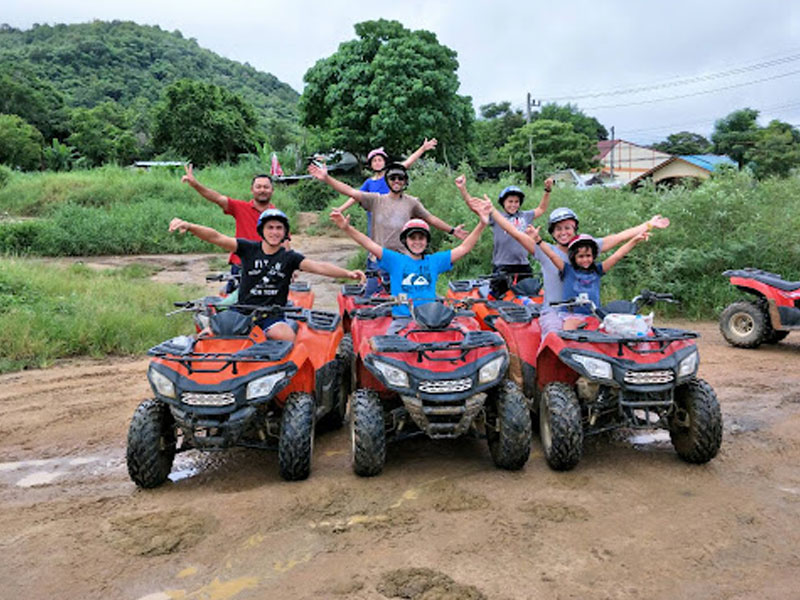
(275, 168)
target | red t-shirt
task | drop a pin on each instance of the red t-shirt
(246, 215)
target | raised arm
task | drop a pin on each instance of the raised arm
(627, 247)
(461, 184)
(468, 244)
(426, 145)
(343, 223)
(545, 201)
(207, 193)
(330, 270)
(346, 205)
(207, 234)
(321, 173)
(533, 235)
(613, 240)
(457, 231)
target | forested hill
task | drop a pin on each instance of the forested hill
(90, 63)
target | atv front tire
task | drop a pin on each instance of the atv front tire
(744, 325)
(151, 444)
(560, 426)
(696, 426)
(510, 437)
(296, 443)
(367, 433)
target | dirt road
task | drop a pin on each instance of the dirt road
(631, 521)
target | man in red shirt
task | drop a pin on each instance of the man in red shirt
(245, 213)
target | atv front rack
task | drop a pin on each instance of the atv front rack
(268, 351)
(663, 338)
(472, 341)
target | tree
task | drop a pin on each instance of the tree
(684, 143)
(390, 87)
(497, 122)
(203, 122)
(35, 100)
(20, 143)
(555, 143)
(569, 113)
(736, 134)
(776, 151)
(103, 134)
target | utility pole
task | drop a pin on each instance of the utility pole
(531, 104)
(612, 153)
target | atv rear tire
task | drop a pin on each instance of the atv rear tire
(510, 447)
(696, 426)
(744, 325)
(151, 444)
(296, 443)
(367, 433)
(560, 426)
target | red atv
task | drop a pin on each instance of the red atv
(590, 381)
(526, 291)
(235, 387)
(440, 376)
(351, 297)
(768, 318)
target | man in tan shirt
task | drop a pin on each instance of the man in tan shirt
(389, 211)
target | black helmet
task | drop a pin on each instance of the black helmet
(561, 214)
(511, 190)
(272, 214)
(395, 169)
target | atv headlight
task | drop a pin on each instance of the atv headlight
(688, 365)
(594, 367)
(490, 371)
(394, 377)
(263, 386)
(161, 383)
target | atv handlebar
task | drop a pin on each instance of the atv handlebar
(223, 277)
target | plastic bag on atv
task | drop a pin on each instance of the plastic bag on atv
(627, 325)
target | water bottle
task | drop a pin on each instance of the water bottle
(526, 301)
(640, 326)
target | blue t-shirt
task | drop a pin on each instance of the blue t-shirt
(414, 278)
(582, 281)
(377, 186)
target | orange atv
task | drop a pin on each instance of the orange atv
(235, 387)
(526, 291)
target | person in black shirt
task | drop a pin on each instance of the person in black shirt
(267, 266)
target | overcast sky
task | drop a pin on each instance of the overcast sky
(554, 50)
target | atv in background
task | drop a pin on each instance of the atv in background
(526, 291)
(769, 317)
(440, 375)
(592, 380)
(235, 387)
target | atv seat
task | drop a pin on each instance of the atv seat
(765, 277)
(530, 286)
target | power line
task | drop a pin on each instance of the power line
(701, 93)
(683, 81)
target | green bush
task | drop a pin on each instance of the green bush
(5, 175)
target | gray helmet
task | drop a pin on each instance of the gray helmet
(561, 214)
(511, 190)
(272, 214)
(395, 169)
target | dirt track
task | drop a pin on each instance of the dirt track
(630, 521)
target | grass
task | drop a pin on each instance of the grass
(50, 312)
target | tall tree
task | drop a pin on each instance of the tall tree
(390, 87)
(776, 151)
(683, 143)
(735, 134)
(570, 113)
(555, 143)
(204, 123)
(497, 122)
